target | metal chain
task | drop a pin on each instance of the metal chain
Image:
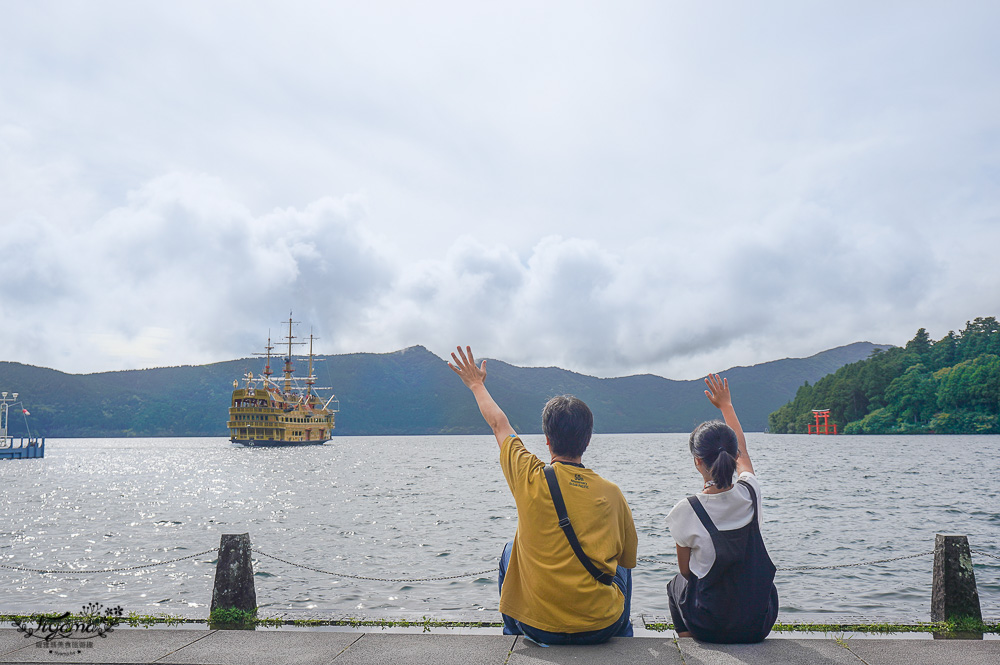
(374, 579)
(860, 563)
(88, 571)
(841, 565)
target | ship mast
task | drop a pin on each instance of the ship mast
(310, 380)
(267, 363)
(288, 358)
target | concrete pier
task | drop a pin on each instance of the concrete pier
(277, 647)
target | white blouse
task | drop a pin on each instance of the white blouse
(729, 510)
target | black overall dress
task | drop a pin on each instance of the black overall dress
(736, 602)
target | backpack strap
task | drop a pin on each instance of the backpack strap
(564, 524)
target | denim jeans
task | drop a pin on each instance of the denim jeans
(620, 628)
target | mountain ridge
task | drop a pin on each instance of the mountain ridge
(408, 391)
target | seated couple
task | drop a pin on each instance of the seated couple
(566, 577)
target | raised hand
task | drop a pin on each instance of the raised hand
(474, 379)
(466, 368)
(718, 394)
(718, 391)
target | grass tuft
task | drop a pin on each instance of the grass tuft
(965, 625)
(245, 619)
(231, 616)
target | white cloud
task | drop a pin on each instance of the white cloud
(184, 273)
(639, 187)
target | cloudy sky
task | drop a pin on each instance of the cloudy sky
(611, 187)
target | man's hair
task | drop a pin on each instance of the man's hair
(568, 424)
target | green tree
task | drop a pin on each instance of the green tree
(920, 345)
(980, 337)
(913, 396)
(952, 385)
(973, 385)
(879, 421)
(944, 351)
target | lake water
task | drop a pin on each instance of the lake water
(425, 506)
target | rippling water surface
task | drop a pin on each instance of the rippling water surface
(423, 506)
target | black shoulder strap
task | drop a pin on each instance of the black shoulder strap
(753, 498)
(574, 542)
(702, 514)
(707, 522)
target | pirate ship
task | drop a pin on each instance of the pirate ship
(284, 412)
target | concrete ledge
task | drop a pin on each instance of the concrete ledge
(118, 647)
(817, 652)
(634, 651)
(211, 647)
(238, 646)
(923, 652)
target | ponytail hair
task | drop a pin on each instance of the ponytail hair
(715, 443)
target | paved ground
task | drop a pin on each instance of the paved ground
(212, 647)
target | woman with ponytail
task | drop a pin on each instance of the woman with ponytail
(725, 591)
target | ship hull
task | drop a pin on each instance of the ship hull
(30, 449)
(267, 443)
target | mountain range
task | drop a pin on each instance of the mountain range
(411, 391)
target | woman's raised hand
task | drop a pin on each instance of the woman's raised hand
(718, 391)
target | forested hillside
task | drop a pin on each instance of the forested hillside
(406, 392)
(948, 386)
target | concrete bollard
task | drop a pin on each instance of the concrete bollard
(954, 594)
(234, 587)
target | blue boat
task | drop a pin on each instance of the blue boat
(23, 447)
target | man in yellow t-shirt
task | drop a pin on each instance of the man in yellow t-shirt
(546, 592)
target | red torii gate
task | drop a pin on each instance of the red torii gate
(825, 427)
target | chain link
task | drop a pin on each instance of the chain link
(88, 571)
(841, 565)
(860, 563)
(373, 579)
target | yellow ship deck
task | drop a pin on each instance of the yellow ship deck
(261, 417)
